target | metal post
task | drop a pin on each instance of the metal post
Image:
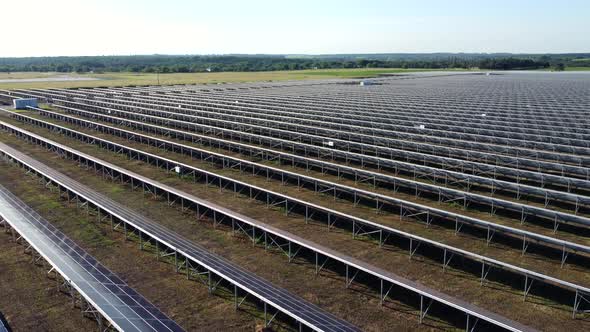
(235, 297)
(265, 320)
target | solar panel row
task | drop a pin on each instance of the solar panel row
(461, 158)
(119, 304)
(563, 153)
(3, 325)
(263, 105)
(552, 215)
(522, 191)
(497, 171)
(302, 123)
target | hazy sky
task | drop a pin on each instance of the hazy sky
(106, 27)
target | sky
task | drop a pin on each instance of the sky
(125, 27)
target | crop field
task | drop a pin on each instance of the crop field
(290, 201)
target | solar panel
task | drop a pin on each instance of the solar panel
(551, 215)
(495, 184)
(109, 296)
(3, 324)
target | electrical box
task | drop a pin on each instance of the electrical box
(23, 103)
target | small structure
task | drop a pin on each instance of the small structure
(366, 82)
(23, 103)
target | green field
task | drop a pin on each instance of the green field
(125, 79)
(577, 68)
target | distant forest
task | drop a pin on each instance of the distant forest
(219, 63)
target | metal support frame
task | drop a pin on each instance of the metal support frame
(62, 284)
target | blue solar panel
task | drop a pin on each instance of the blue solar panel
(120, 304)
(3, 325)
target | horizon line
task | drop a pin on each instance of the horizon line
(300, 54)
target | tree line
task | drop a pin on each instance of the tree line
(234, 63)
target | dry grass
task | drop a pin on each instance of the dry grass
(126, 79)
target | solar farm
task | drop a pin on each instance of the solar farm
(424, 201)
